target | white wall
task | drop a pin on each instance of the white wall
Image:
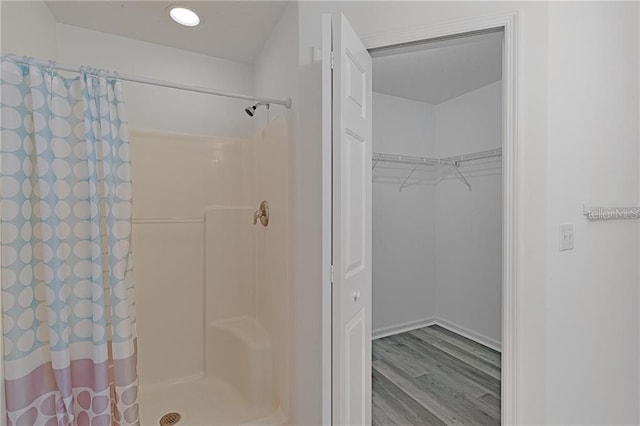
(403, 126)
(403, 222)
(28, 29)
(164, 109)
(470, 122)
(559, 319)
(592, 291)
(468, 227)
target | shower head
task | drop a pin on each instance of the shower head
(251, 111)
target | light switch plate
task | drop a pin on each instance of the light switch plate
(566, 236)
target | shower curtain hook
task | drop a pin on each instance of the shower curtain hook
(52, 67)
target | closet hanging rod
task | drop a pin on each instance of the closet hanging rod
(151, 81)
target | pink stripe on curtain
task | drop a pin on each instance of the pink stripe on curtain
(97, 394)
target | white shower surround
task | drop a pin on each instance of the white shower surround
(214, 296)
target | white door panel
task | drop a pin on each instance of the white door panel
(351, 152)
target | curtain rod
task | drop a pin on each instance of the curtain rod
(143, 80)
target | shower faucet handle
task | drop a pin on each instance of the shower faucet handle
(262, 213)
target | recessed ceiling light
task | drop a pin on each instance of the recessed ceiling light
(184, 16)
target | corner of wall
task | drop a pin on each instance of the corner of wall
(275, 69)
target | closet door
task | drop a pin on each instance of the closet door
(352, 150)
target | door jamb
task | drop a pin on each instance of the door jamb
(508, 21)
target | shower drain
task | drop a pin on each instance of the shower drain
(170, 419)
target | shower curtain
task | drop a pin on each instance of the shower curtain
(67, 289)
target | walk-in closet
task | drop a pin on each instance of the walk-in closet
(437, 231)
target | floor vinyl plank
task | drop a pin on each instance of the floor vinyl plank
(456, 351)
(450, 381)
(381, 413)
(468, 408)
(433, 376)
(430, 365)
(413, 390)
(391, 352)
(492, 400)
(453, 365)
(491, 355)
(401, 408)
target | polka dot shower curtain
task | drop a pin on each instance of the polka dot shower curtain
(67, 289)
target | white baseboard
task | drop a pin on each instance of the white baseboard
(402, 328)
(469, 334)
(426, 322)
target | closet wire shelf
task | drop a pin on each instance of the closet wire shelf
(453, 162)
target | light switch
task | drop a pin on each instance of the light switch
(566, 236)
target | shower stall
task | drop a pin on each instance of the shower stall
(210, 322)
(211, 285)
(207, 336)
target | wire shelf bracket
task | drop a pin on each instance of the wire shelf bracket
(404, 184)
(464, 180)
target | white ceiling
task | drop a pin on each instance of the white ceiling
(234, 30)
(438, 71)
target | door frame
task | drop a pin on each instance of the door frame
(511, 165)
